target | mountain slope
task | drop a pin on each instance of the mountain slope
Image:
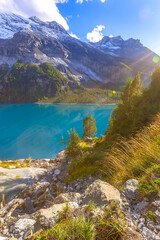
(28, 83)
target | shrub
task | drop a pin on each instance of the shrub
(74, 228)
(149, 184)
(91, 206)
(64, 213)
(151, 216)
(112, 225)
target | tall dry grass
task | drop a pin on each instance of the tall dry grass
(131, 158)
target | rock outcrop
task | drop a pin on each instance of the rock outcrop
(131, 188)
(101, 193)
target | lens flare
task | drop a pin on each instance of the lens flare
(155, 59)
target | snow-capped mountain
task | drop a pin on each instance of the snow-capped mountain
(116, 46)
(12, 23)
(110, 60)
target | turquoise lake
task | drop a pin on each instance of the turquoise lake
(35, 130)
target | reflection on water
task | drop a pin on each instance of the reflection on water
(35, 130)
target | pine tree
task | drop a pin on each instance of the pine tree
(89, 127)
(132, 89)
(123, 115)
(73, 149)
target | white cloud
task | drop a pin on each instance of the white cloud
(81, 1)
(96, 34)
(111, 36)
(44, 9)
(74, 35)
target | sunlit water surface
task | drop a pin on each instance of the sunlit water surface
(36, 130)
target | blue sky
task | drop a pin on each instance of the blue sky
(138, 19)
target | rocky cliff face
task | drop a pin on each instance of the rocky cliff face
(32, 40)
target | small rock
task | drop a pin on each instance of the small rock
(146, 232)
(55, 179)
(1, 221)
(156, 203)
(141, 206)
(151, 226)
(67, 197)
(29, 205)
(142, 220)
(22, 224)
(157, 227)
(78, 187)
(57, 172)
(140, 226)
(131, 187)
(157, 212)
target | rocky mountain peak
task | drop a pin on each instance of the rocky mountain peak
(36, 20)
(11, 23)
(134, 43)
(120, 48)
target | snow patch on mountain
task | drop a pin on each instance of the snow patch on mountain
(11, 23)
(110, 46)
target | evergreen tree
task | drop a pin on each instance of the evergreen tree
(73, 149)
(89, 126)
(123, 116)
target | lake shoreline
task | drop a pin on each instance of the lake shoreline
(100, 104)
(50, 103)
